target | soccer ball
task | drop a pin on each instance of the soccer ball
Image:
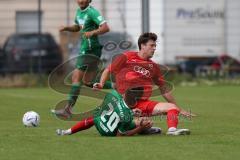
(31, 119)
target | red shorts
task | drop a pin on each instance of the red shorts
(146, 106)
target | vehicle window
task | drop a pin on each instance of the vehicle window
(9, 45)
(33, 41)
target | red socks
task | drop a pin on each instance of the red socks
(172, 118)
(82, 125)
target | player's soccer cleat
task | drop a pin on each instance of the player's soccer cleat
(177, 132)
(60, 132)
(152, 130)
(63, 113)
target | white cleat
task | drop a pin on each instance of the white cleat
(60, 132)
(177, 132)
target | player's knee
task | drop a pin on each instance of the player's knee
(172, 107)
(75, 79)
(76, 76)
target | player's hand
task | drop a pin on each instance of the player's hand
(88, 34)
(137, 112)
(97, 86)
(187, 114)
(62, 28)
(146, 123)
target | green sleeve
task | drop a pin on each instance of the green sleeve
(124, 127)
(97, 17)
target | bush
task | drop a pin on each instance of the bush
(23, 80)
(188, 80)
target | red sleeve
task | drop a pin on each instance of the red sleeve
(158, 77)
(118, 63)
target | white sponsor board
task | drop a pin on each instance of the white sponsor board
(193, 28)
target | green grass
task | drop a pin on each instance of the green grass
(215, 132)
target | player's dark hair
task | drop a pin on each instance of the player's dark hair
(132, 95)
(145, 37)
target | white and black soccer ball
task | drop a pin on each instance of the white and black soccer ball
(31, 119)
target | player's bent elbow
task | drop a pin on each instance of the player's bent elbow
(105, 27)
(119, 134)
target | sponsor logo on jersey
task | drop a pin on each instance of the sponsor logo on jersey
(142, 71)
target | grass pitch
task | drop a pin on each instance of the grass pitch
(215, 132)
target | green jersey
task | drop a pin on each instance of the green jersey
(88, 19)
(113, 116)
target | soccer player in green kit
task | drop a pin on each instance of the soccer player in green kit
(114, 118)
(90, 24)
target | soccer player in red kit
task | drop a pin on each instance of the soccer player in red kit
(137, 70)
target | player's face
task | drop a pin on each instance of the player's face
(83, 3)
(149, 48)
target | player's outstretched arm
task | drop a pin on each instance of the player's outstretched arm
(131, 132)
(144, 124)
(73, 28)
(104, 28)
(104, 77)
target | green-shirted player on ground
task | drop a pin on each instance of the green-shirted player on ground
(90, 23)
(114, 118)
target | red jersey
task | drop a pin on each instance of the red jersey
(131, 71)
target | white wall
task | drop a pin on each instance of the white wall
(187, 33)
(156, 26)
(133, 21)
(233, 28)
(114, 11)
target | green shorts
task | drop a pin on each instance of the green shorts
(89, 60)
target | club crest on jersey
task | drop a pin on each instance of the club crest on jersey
(81, 22)
(100, 18)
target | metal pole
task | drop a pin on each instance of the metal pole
(39, 17)
(39, 36)
(225, 26)
(145, 16)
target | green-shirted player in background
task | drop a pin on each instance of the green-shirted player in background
(114, 118)
(90, 24)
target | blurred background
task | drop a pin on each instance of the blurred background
(197, 39)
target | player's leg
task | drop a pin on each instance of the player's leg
(66, 111)
(84, 71)
(172, 112)
(89, 78)
(75, 88)
(93, 69)
(130, 98)
(81, 125)
(87, 68)
(153, 108)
